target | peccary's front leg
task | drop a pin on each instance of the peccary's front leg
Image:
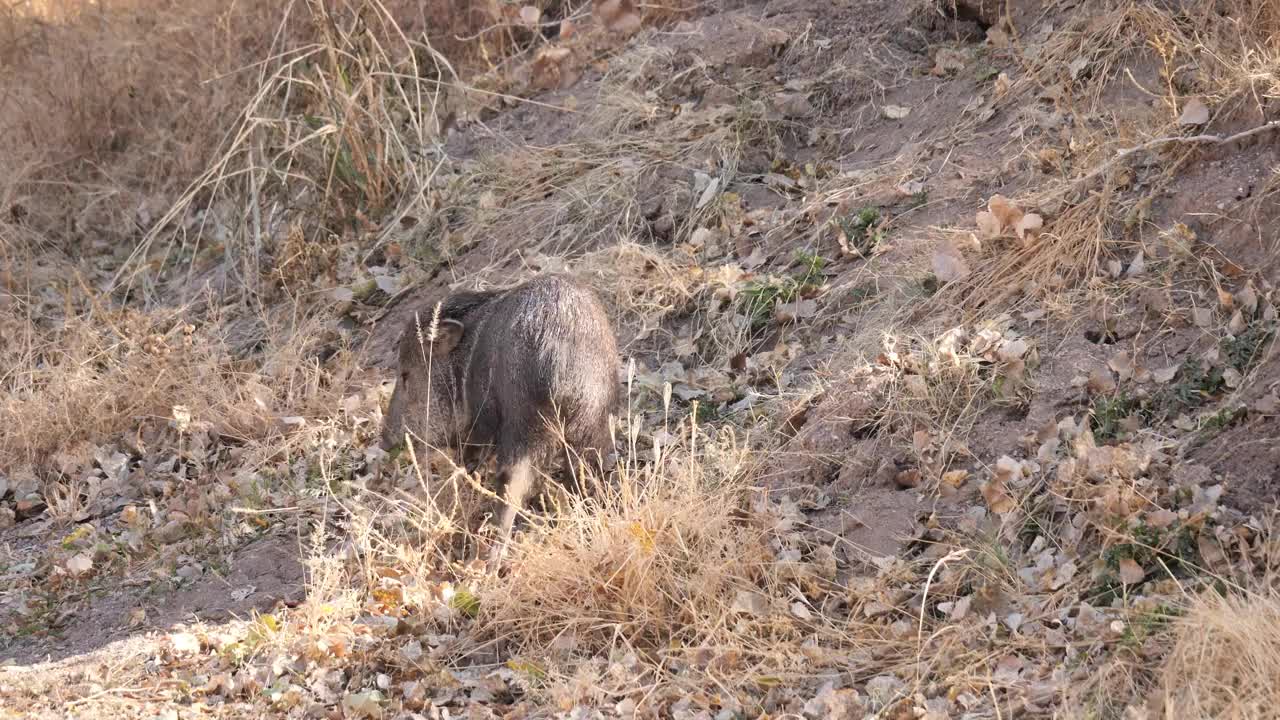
(514, 482)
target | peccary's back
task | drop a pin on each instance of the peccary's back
(541, 350)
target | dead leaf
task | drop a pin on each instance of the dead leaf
(617, 16)
(1226, 300)
(750, 603)
(907, 478)
(1237, 324)
(1008, 470)
(1003, 85)
(1131, 573)
(362, 705)
(1011, 350)
(708, 193)
(388, 284)
(791, 312)
(1211, 552)
(895, 112)
(948, 60)
(801, 611)
(1248, 299)
(1164, 375)
(988, 225)
(1194, 112)
(1029, 225)
(80, 564)
(1137, 266)
(997, 499)
(920, 441)
(1122, 364)
(1077, 66)
(955, 478)
(948, 263)
(1062, 575)
(1232, 378)
(1006, 212)
(1161, 518)
(551, 69)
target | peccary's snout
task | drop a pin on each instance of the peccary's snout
(423, 373)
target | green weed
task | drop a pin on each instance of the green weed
(860, 229)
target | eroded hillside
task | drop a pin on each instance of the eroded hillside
(950, 392)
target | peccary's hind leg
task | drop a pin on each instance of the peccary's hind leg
(515, 478)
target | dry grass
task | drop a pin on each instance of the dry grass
(679, 578)
(1097, 208)
(112, 371)
(676, 576)
(109, 107)
(661, 556)
(1224, 659)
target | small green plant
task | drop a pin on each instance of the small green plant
(811, 266)
(1197, 384)
(708, 413)
(862, 294)
(985, 73)
(1107, 416)
(1171, 548)
(1148, 624)
(1243, 350)
(758, 300)
(859, 229)
(1223, 419)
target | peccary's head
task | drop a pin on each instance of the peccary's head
(426, 360)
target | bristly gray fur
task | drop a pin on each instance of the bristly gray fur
(527, 362)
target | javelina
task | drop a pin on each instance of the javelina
(507, 370)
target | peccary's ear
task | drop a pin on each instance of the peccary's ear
(448, 335)
(410, 353)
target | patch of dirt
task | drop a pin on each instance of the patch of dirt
(876, 522)
(1246, 456)
(258, 576)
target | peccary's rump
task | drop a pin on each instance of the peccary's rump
(509, 370)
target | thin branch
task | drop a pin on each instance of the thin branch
(1158, 142)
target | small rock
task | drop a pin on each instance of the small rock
(170, 532)
(793, 105)
(884, 689)
(184, 643)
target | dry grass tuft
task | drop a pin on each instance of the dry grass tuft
(112, 371)
(651, 565)
(1095, 208)
(1225, 658)
(108, 107)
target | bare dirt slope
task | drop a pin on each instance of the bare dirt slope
(952, 383)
